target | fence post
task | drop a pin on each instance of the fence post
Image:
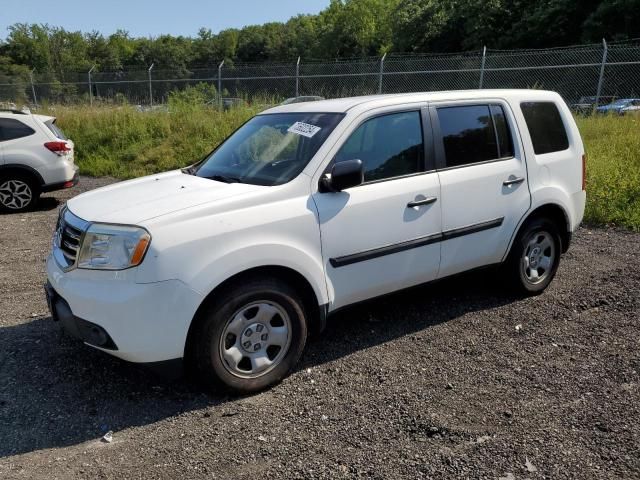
(220, 83)
(381, 73)
(90, 89)
(33, 88)
(150, 87)
(298, 77)
(484, 59)
(601, 78)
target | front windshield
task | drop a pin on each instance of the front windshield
(269, 149)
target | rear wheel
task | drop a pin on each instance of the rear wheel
(18, 193)
(251, 336)
(535, 256)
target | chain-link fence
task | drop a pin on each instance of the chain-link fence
(601, 71)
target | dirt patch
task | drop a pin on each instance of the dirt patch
(432, 382)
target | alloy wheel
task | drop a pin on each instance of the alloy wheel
(15, 194)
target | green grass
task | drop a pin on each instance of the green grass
(125, 143)
(612, 144)
(122, 142)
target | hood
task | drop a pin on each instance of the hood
(135, 201)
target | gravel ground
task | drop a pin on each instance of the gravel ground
(455, 379)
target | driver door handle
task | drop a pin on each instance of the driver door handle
(513, 181)
(418, 203)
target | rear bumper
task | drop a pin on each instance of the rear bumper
(578, 204)
(62, 185)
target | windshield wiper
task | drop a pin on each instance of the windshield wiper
(189, 170)
(224, 178)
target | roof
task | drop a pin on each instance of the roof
(23, 113)
(343, 105)
(13, 111)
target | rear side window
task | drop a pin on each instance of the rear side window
(11, 129)
(55, 130)
(389, 146)
(545, 127)
(474, 134)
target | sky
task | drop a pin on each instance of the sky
(146, 18)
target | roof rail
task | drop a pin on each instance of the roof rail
(14, 110)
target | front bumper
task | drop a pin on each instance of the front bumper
(88, 332)
(145, 323)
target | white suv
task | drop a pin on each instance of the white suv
(308, 208)
(35, 157)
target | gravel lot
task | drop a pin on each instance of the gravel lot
(455, 379)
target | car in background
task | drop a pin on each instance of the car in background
(307, 98)
(621, 106)
(35, 157)
(227, 103)
(586, 105)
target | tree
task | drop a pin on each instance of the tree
(346, 28)
(613, 19)
(29, 45)
(349, 28)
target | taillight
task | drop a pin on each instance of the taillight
(59, 148)
(584, 172)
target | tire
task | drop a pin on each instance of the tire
(251, 336)
(534, 257)
(18, 193)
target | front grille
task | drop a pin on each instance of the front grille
(68, 239)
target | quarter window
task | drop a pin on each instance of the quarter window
(55, 130)
(505, 143)
(389, 146)
(11, 129)
(545, 127)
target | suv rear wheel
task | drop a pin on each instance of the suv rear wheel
(535, 256)
(18, 193)
(251, 335)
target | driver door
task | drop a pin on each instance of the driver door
(383, 235)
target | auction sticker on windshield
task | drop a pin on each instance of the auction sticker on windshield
(304, 129)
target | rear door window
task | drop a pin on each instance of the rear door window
(11, 129)
(545, 127)
(474, 134)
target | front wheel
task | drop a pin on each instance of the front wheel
(251, 335)
(534, 257)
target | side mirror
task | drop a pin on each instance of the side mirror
(349, 173)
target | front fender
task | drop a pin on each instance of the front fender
(232, 263)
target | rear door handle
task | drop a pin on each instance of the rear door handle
(426, 201)
(513, 181)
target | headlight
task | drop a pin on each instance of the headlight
(113, 247)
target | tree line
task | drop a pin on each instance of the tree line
(346, 28)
